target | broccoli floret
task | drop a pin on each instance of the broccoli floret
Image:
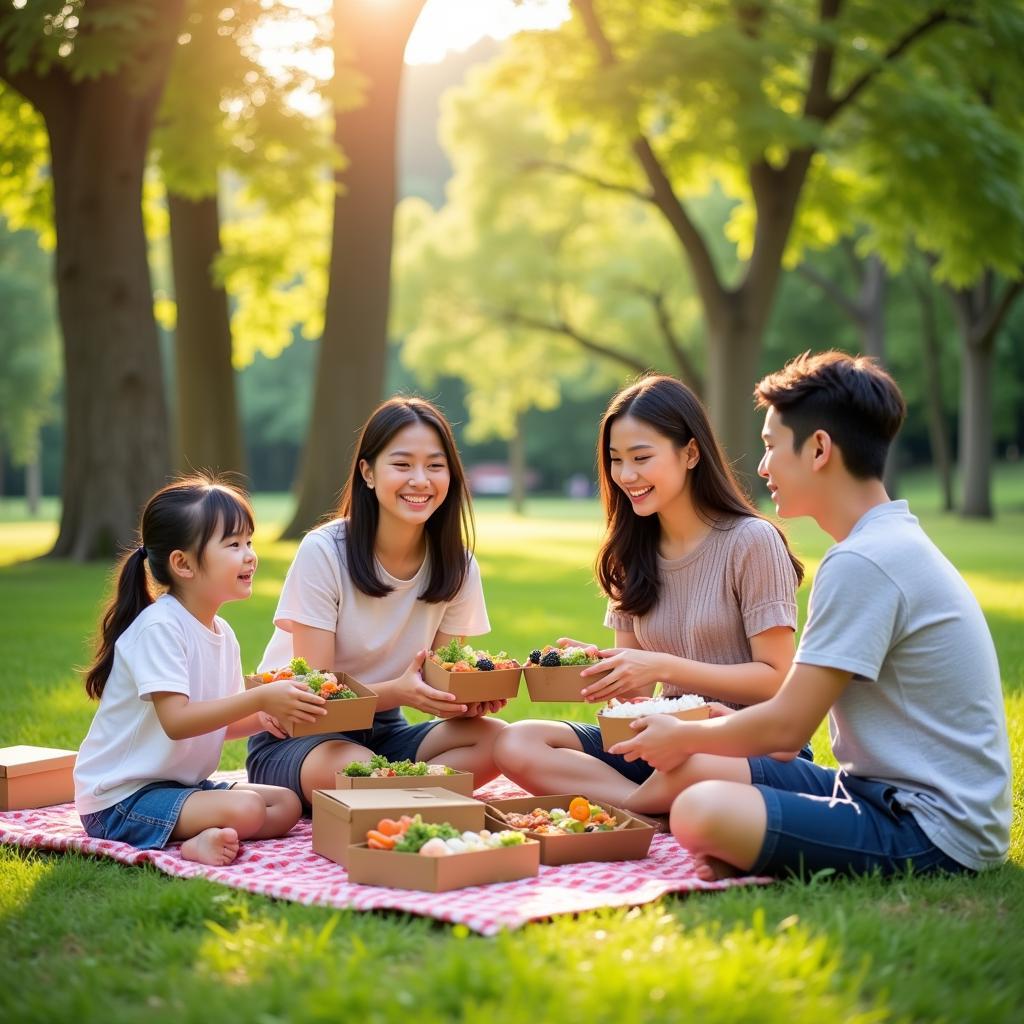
(419, 832)
(452, 651)
(577, 656)
(299, 666)
(358, 769)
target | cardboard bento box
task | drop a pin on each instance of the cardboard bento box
(472, 687)
(342, 817)
(560, 683)
(458, 782)
(630, 842)
(615, 730)
(342, 715)
(35, 777)
(439, 874)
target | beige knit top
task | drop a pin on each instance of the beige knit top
(736, 584)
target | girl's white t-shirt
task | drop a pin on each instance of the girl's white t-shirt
(375, 638)
(165, 650)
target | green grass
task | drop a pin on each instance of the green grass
(89, 940)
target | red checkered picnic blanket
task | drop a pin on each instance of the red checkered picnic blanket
(288, 869)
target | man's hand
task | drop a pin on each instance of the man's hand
(657, 741)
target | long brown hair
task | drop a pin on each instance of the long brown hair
(450, 529)
(627, 564)
(180, 517)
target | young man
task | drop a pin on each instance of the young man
(895, 650)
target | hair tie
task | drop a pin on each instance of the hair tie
(142, 551)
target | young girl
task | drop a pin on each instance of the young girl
(701, 597)
(168, 678)
(370, 591)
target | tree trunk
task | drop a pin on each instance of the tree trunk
(34, 484)
(871, 320)
(517, 466)
(208, 431)
(932, 363)
(733, 358)
(976, 430)
(116, 450)
(370, 38)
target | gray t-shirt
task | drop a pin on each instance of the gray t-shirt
(924, 711)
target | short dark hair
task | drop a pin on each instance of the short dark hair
(851, 398)
(450, 529)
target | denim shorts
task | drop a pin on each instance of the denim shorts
(822, 818)
(638, 771)
(147, 818)
(274, 762)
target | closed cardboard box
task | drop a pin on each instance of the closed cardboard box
(35, 777)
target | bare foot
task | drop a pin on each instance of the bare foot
(711, 869)
(214, 846)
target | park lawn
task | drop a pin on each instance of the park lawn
(91, 940)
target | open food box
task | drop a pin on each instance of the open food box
(553, 673)
(630, 839)
(35, 777)
(439, 874)
(448, 778)
(343, 714)
(615, 730)
(472, 675)
(342, 817)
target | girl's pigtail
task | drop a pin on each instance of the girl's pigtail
(132, 597)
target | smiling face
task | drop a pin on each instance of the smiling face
(647, 466)
(410, 477)
(789, 473)
(227, 568)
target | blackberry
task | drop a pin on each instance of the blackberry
(535, 657)
(551, 660)
(485, 664)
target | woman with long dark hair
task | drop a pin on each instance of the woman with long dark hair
(701, 595)
(368, 593)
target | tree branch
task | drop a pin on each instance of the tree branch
(562, 327)
(817, 101)
(590, 179)
(831, 290)
(663, 195)
(997, 312)
(687, 367)
(939, 17)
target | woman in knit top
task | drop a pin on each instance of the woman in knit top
(701, 596)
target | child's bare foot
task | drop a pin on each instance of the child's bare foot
(711, 869)
(214, 846)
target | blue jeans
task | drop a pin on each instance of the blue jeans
(638, 771)
(147, 818)
(822, 818)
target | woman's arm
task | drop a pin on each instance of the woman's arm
(633, 671)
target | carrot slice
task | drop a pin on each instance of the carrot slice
(580, 809)
(389, 827)
(374, 837)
